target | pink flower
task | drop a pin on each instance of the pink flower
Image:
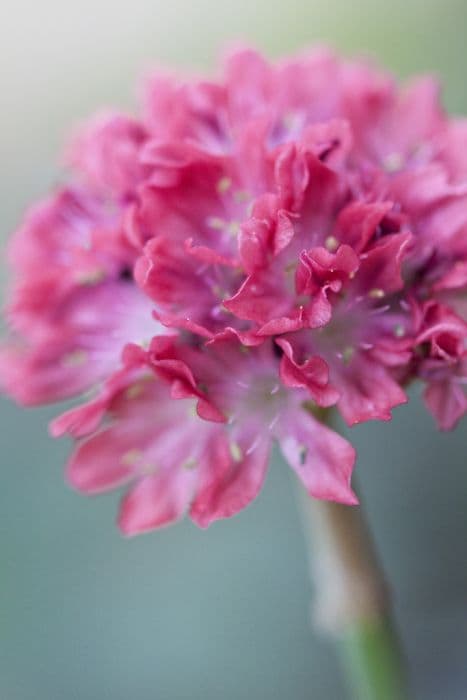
(251, 252)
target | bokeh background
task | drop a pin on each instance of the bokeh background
(223, 614)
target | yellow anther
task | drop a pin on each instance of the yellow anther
(235, 451)
(393, 162)
(76, 358)
(347, 354)
(376, 293)
(331, 243)
(224, 184)
(216, 223)
(91, 277)
(233, 228)
(134, 391)
(132, 457)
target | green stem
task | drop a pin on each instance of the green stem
(372, 659)
(351, 601)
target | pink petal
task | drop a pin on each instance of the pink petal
(98, 465)
(155, 501)
(322, 459)
(367, 391)
(447, 402)
(313, 374)
(230, 478)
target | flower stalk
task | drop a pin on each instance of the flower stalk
(351, 601)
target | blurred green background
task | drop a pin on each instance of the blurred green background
(224, 614)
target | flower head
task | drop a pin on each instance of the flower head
(221, 271)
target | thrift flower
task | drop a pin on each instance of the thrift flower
(218, 272)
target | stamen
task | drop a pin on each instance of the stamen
(302, 454)
(138, 387)
(347, 354)
(233, 228)
(192, 412)
(224, 185)
(134, 391)
(92, 277)
(216, 223)
(235, 451)
(76, 358)
(399, 331)
(132, 457)
(331, 243)
(376, 293)
(393, 162)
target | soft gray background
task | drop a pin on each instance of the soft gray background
(184, 614)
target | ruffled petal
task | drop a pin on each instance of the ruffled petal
(367, 391)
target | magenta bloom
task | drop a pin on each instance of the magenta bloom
(248, 253)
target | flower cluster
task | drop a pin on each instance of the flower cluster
(221, 271)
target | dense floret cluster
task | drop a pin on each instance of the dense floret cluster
(219, 272)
